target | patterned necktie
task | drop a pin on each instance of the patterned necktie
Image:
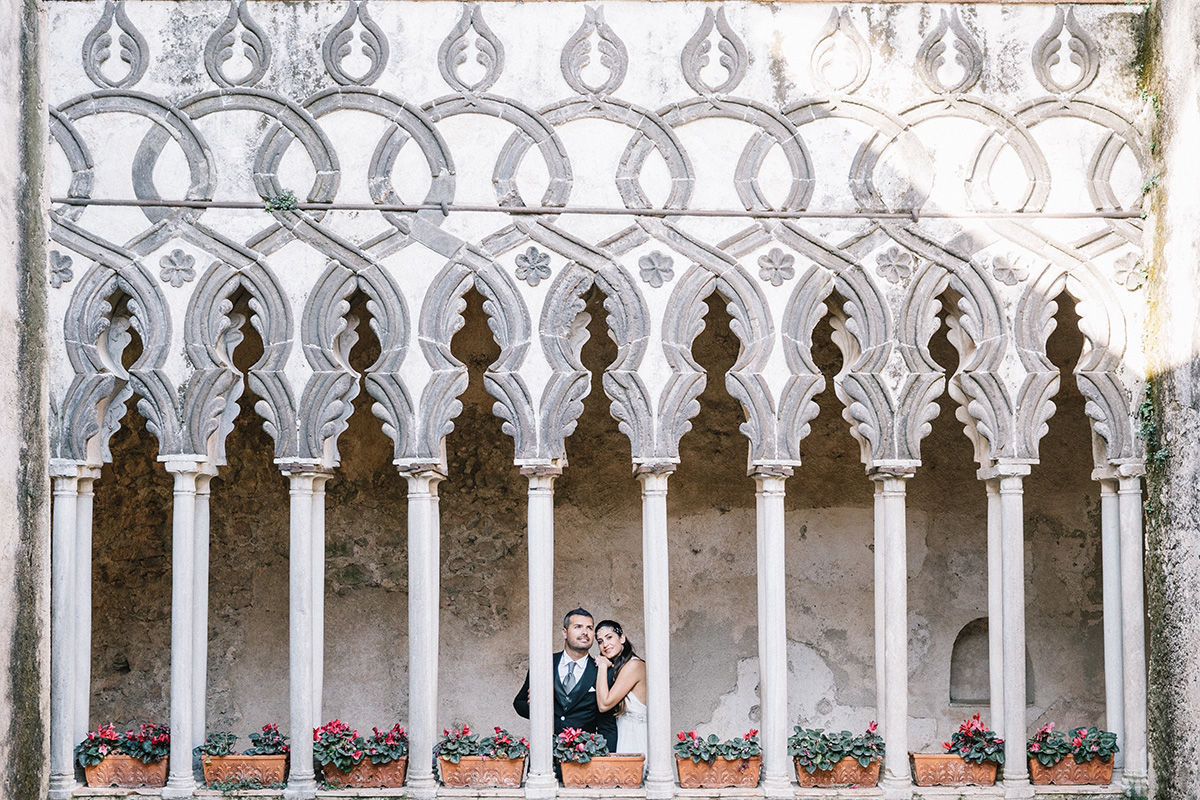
(569, 683)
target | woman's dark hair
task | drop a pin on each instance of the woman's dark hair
(627, 652)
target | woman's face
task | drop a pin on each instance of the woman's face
(610, 643)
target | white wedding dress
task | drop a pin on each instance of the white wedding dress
(631, 726)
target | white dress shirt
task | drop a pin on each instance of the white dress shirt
(565, 662)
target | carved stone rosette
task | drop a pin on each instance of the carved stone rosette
(126, 772)
(619, 771)
(481, 771)
(1069, 772)
(369, 776)
(721, 773)
(946, 769)
(845, 772)
(264, 769)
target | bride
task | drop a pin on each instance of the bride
(621, 684)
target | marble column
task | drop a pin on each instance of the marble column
(995, 606)
(1012, 553)
(200, 621)
(318, 589)
(62, 656)
(880, 554)
(1114, 669)
(424, 595)
(1133, 633)
(772, 630)
(82, 615)
(541, 782)
(180, 781)
(656, 600)
(896, 781)
(301, 781)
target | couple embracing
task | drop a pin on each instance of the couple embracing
(605, 694)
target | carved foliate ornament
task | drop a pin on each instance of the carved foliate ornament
(339, 44)
(695, 56)
(577, 54)
(133, 49)
(255, 47)
(950, 33)
(1082, 52)
(840, 59)
(489, 52)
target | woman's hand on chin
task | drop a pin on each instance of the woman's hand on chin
(602, 662)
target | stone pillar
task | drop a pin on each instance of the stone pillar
(896, 781)
(301, 782)
(1114, 670)
(200, 622)
(772, 630)
(62, 615)
(424, 596)
(995, 589)
(1012, 555)
(318, 589)
(1133, 633)
(180, 781)
(880, 612)
(541, 782)
(656, 599)
(83, 600)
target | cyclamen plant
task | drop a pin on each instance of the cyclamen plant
(102, 742)
(690, 744)
(579, 746)
(501, 744)
(217, 743)
(337, 743)
(456, 743)
(814, 749)
(976, 743)
(1049, 746)
(384, 747)
(268, 742)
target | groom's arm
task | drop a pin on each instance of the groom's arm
(521, 701)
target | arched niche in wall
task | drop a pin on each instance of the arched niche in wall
(970, 683)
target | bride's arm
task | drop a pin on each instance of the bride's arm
(629, 676)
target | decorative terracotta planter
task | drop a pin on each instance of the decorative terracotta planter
(126, 772)
(946, 769)
(720, 774)
(1069, 772)
(617, 771)
(480, 771)
(845, 772)
(264, 769)
(368, 776)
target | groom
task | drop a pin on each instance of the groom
(575, 683)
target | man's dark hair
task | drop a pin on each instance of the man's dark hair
(577, 612)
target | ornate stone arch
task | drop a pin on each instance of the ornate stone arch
(212, 330)
(328, 332)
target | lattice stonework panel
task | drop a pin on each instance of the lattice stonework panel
(871, 163)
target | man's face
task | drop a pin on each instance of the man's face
(578, 633)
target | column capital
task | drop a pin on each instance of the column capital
(654, 468)
(552, 470)
(1004, 469)
(424, 469)
(881, 470)
(65, 468)
(1131, 469)
(183, 462)
(295, 468)
(770, 471)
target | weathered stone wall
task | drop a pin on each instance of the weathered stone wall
(598, 564)
(24, 419)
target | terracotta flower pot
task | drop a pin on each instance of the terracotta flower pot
(845, 772)
(947, 769)
(264, 769)
(367, 775)
(1070, 772)
(480, 771)
(617, 771)
(126, 772)
(721, 773)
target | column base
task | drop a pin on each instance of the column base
(1137, 787)
(660, 788)
(300, 789)
(422, 787)
(896, 788)
(1018, 789)
(541, 787)
(778, 787)
(178, 786)
(61, 787)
